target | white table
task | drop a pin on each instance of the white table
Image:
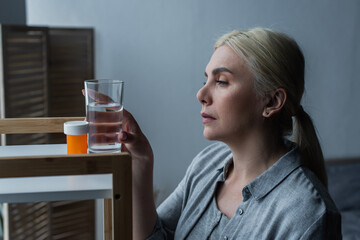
(54, 188)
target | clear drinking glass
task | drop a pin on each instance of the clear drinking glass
(104, 112)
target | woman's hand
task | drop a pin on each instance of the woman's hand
(131, 136)
(134, 141)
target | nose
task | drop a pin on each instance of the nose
(203, 95)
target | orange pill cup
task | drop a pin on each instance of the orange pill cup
(76, 136)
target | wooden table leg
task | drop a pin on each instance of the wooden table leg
(122, 199)
(108, 219)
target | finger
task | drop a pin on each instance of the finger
(124, 148)
(99, 97)
(122, 136)
(125, 137)
(129, 123)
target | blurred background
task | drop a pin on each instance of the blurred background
(160, 48)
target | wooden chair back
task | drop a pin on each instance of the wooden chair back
(35, 125)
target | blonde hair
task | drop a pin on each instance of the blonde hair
(276, 61)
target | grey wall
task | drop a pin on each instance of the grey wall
(160, 49)
(12, 12)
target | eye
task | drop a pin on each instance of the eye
(221, 82)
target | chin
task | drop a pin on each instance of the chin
(210, 135)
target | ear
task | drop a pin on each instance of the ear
(275, 100)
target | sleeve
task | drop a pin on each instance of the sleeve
(168, 214)
(171, 209)
(327, 226)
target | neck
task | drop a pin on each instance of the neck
(254, 155)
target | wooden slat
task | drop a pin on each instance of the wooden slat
(76, 164)
(108, 217)
(71, 62)
(25, 62)
(17, 42)
(29, 221)
(35, 125)
(122, 203)
(68, 220)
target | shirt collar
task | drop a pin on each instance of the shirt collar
(272, 177)
(224, 170)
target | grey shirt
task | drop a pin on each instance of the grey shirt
(285, 202)
(214, 220)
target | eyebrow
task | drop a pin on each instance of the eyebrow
(219, 70)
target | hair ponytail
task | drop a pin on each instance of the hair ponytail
(304, 135)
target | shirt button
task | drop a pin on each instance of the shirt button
(240, 211)
(225, 238)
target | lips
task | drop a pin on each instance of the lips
(207, 118)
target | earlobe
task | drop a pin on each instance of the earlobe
(275, 102)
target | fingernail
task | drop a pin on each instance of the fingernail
(123, 136)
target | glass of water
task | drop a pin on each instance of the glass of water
(104, 112)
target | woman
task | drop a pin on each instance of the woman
(254, 183)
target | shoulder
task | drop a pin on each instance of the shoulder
(311, 190)
(325, 218)
(308, 203)
(299, 185)
(317, 190)
(212, 157)
(295, 195)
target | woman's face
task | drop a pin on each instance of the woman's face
(231, 109)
